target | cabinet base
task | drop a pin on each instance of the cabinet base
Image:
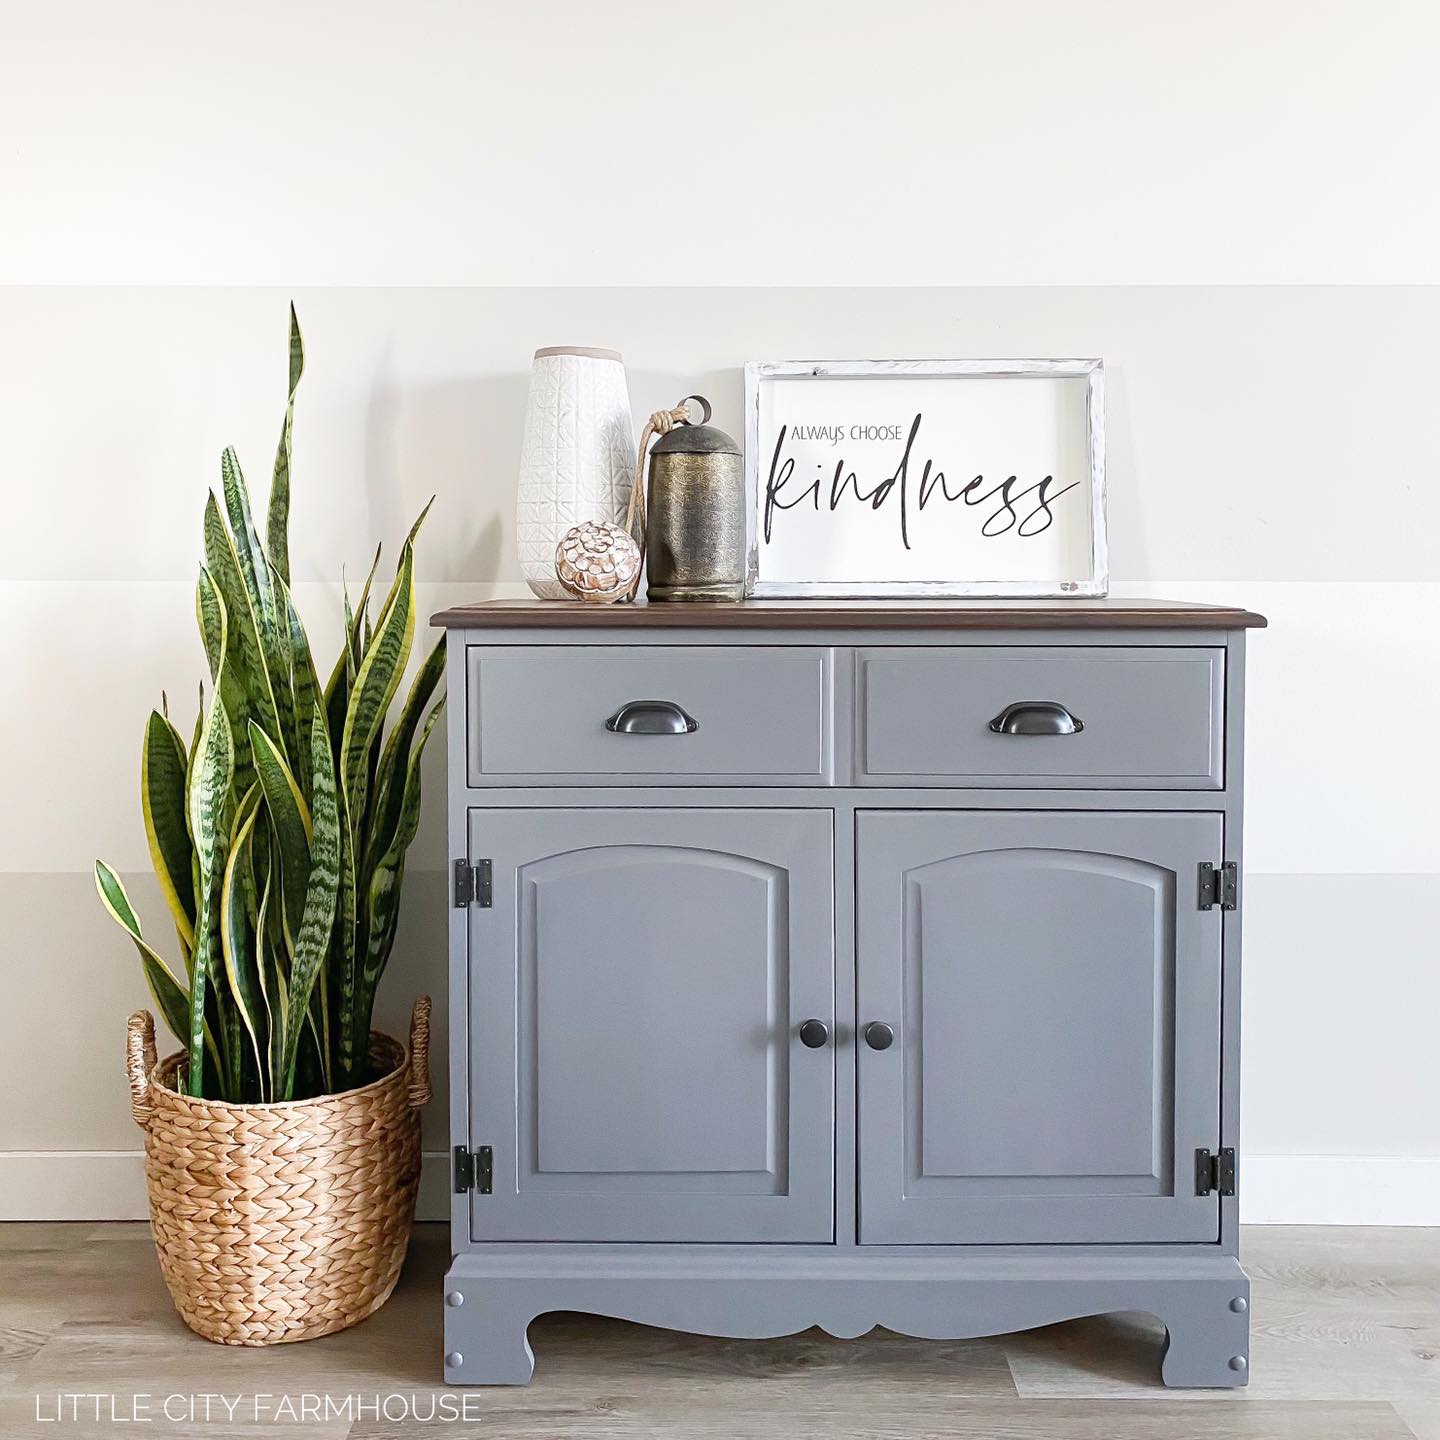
(1201, 1296)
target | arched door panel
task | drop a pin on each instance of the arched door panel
(1055, 995)
(636, 987)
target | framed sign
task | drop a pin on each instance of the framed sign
(925, 477)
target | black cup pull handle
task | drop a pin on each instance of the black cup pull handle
(652, 717)
(1036, 717)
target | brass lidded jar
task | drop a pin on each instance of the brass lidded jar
(695, 518)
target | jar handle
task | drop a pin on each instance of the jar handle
(703, 403)
(662, 422)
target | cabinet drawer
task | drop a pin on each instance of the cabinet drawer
(662, 714)
(1136, 717)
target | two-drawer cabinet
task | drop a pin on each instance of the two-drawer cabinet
(858, 966)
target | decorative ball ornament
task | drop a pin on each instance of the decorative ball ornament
(598, 561)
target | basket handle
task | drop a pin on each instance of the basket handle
(420, 1053)
(139, 1062)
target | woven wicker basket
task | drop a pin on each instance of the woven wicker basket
(281, 1222)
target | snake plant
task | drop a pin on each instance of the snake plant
(278, 832)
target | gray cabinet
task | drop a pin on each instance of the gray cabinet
(1054, 994)
(637, 985)
(853, 966)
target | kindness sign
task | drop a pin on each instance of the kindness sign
(926, 478)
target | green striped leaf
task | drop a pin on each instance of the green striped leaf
(226, 671)
(337, 700)
(346, 964)
(290, 817)
(254, 564)
(262, 947)
(375, 686)
(282, 665)
(231, 1033)
(347, 663)
(371, 692)
(171, 998)
(345, 610)
(277, 523)
(383, 897)
(162, 799)
(414, 534)
(312, 944)
(272, 963)
(195, 738)
(236, 935)
(243, 645)
(191, 755)
(391, 777)
(210, 802)
(272, 627)
(357, 619)
(214, 623)
(410, 540)
(308, 693)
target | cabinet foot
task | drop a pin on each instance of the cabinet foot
(1208, 1340)
(485, 1336)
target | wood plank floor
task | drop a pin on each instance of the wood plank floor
(1346, 1344)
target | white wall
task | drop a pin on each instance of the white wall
(1271, 445)
(758, 142)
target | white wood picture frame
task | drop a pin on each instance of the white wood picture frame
(846, 534)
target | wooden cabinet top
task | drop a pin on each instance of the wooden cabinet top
(1104, 614)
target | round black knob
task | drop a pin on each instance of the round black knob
(879, 1036)
(814, 1033)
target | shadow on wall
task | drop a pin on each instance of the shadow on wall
(459, 441)
(430, 850)
(1121, 459)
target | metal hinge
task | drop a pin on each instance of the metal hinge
(1215, 1172)
(472, 884)
(1219, 885)
(474, 1170)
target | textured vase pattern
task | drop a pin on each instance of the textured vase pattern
(576, 458)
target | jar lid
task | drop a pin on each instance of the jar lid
(692, 439)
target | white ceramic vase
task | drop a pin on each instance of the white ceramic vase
(577, 458)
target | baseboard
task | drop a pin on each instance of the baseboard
(110, 1185)
(1274, 1189)
(1340, 1189)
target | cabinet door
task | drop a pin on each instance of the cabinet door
(636, 991)
(1054, 993)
